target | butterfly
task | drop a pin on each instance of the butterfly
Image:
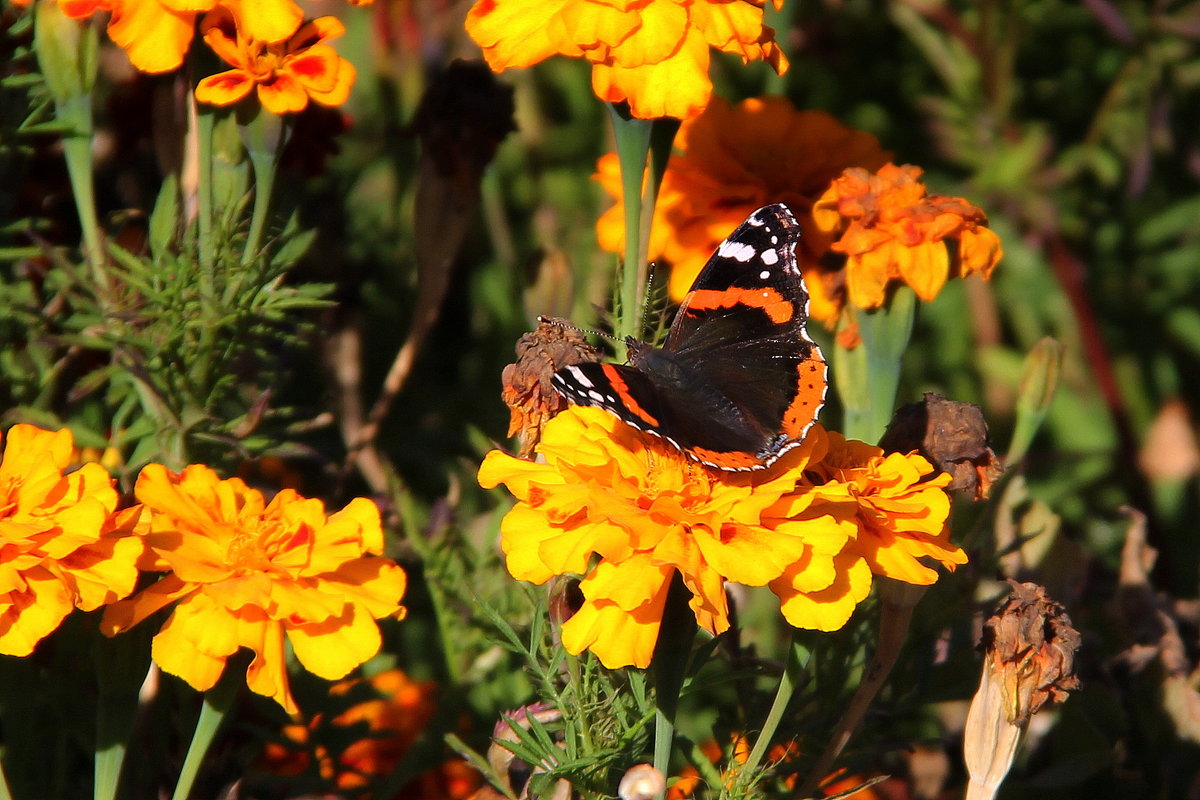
(738, 381)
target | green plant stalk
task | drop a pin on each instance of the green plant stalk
(662, 137)
(669, 666)
(120, 669)
(797, 662)
(217, 702)
(77, 150)
(633, 145)
(263, 136)
(868, 376)
(206, 246)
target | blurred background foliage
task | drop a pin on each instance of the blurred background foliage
(1075, 126)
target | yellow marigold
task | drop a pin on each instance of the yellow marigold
(62, 543)
(286, 74)
(731, 160)
(245, 574)
(890, 229)
(652, 54)
(647, 512)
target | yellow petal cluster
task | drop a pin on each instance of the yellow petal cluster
(652, 54)
(627, 512)
(245, 573)
(63, 545)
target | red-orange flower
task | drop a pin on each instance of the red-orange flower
(286, 74)
(63, 545)
(890, 229)
(244, 573)
(390, 712)
(731, 160)
(653, 54)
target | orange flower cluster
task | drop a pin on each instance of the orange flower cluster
(628, 512)
(268, 43)
(849, 200)
(394, 715)
(652, 54)
(731, 160)
(890, 229)
(63, 544)
(243, 573)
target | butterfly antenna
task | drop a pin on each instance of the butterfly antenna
(647, 295)
(561, 323)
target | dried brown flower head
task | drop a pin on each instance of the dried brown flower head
(527, 391)
(953, 436)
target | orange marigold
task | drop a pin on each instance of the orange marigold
(156, 34)
(63, 545)
(246, 574)
(607, 490)
(890, 229)
(389, 713)
(286, 74)
(652, 54)
(731, 160)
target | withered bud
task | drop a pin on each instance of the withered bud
(1029, 648)
(953, 436)
(1030, 645)
(527, 391)
(641, 782)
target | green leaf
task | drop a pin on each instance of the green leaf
(164, 220)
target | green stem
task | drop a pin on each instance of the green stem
(671, 655)
(217, 702)
(868, 376)
(264, 182)
(798, 656)
(633, 145)
(204, 120)
(120, 670)
(77, 150)
(662, 137)
(5, 792)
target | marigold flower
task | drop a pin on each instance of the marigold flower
(389, 713)
(286, 74)
(652, 54)
(890, 229)
(648, 512)
(62, 543)
(245, 574)
(731, 160)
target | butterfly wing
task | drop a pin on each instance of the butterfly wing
(741, 333)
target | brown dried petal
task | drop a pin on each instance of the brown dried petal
(527, 391)
(1030, 646)
(953, 436)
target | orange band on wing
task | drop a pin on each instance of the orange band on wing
(622, 390)
(726, 460)
(810, 395)
(777, 309)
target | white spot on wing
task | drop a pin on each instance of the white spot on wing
(738, 251)
(770, 257)
(766, 273)
(579, 376)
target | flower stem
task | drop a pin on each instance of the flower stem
(633, 145)
(120, 669)
(868, 376)
(263, 136)
(797, 662)
(204, 190)
(671, 655)
(217, 702)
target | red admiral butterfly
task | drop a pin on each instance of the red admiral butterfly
(738, 382)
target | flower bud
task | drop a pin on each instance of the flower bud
(641, 782)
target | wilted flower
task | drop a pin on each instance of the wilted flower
(653, 55)
(812, 531)
(63, 545)
(243, 573)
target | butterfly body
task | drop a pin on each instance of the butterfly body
(738, 381)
